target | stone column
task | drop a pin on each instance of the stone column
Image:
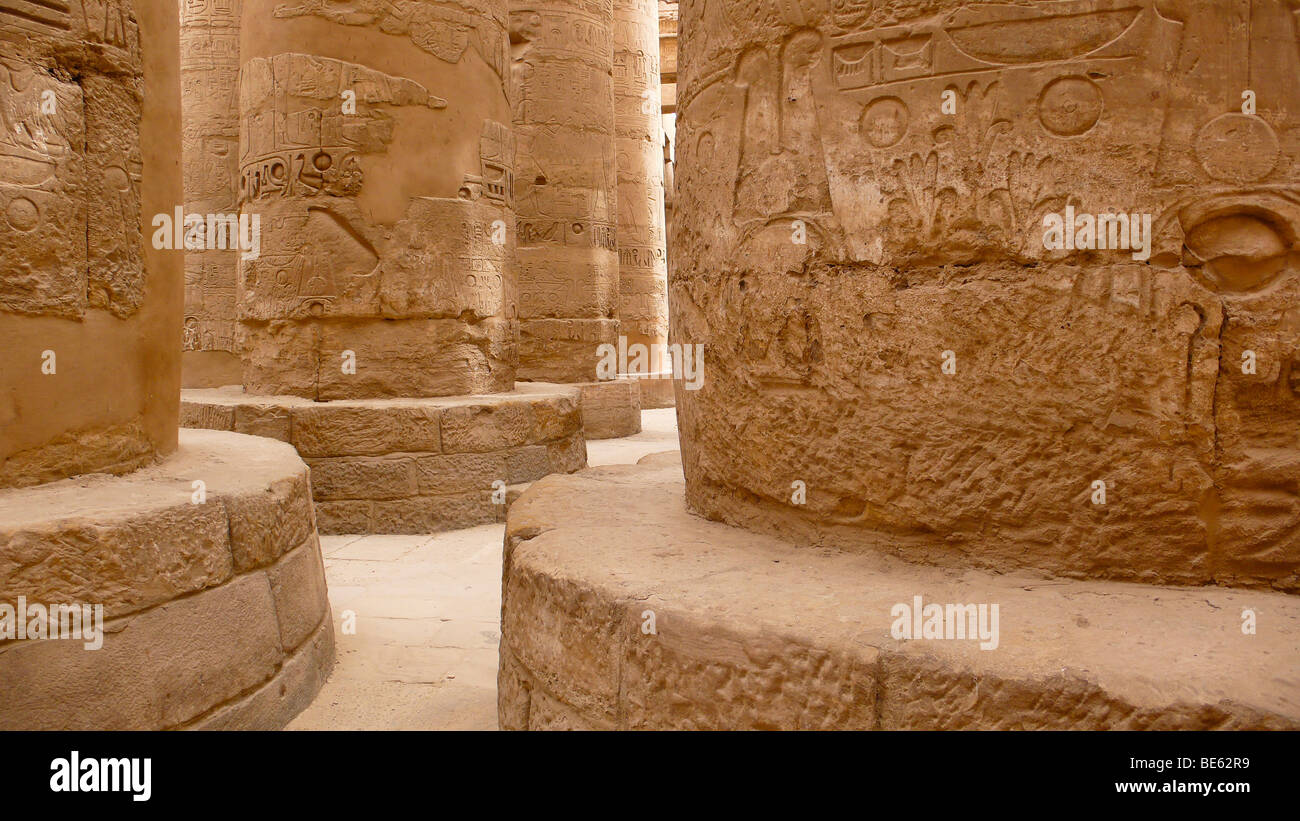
(89, 312)
(919, 401)
(871, 233)
(378, 318)
(643, 272)
(565, 186)
(205, 561)
(210, 115)
(375, 150)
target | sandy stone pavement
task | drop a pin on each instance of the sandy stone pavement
(427, 612)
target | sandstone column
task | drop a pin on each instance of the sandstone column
(89, 314)
(375, 149)
(210, 115)
(643, 272)
(566, 196)
(1050, 406)
(922, 407)
(565, 186)
(378, 321)
(198, 547)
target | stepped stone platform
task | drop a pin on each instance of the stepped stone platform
(401, 466)
(750, 632)
(215, 612)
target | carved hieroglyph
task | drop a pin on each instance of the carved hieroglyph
(916, 149)
(565, 186)
(383, 192)
(74, 324)
(642, 261)
(210, 112)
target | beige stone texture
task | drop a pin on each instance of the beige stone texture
(401, 466)
(210, 118)
(752, 632)
(642, 250)
(209, 602)
(563, 350)
(376, 149)
(611, 409)
(280, 700)
(922, 231)
(565, 185)
(657, 391)
(89, 151)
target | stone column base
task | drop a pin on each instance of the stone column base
(410, 465)
(209, 573)
(610, 409)
(657, 390)
(621, 610)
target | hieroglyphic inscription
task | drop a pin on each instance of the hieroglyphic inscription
(210, 121)
(643, 273)
(565, 176)
(919, 150)
(64, 142)
(443, 30)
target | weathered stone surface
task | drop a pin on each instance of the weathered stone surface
(210, 114)
(135, 558)
(298, 586)
(384, 268)
(886, 324)
(658, 391)
(403, 465)
(563, 350)
(462, 472)
(560, 419)
(363, 477)
(89, 151)
(358, 359)
(433, 514)
(265, 524)
(277, 702)
(137, 541)
(752, 632)
(487, 427)
(642, 250)
(183, 636)
(351, 516)
(610, 409)
(566, 185)
(198, 651)
(342, 430)
(528, 464)
(264, 419)
(567, 455)
(210, 417)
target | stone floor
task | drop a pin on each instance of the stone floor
(427, 615)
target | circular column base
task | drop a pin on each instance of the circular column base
(205, 572)
(610, 409)
(639, 615)
(397, 466)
